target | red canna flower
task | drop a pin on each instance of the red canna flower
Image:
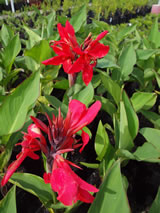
(89, 52)
(61, 132)
(76, 58)
(61, 136)
(29, 145)
(67, 184)
(64, 47)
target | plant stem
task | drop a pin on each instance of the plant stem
(72, 79)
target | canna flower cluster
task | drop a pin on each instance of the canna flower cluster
(75, 57)
(61, 139)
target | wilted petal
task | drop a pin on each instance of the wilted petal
(34, 131)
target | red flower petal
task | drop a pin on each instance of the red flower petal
(85, 139)
(77, 110)
(101, 35)
(87, 74)
(65, 185)
(13, 167)
(40, 124)
(47, 177)
(87, 118)
(77, 65)
(69, 28)
(99, 50)
(55, 60)
(85, 196)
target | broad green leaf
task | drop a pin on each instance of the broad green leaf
(127, 60)
(155, 34)
(6, 34)
(57, 104)
(14, 109)
(79, 18)
(151, 135)
(112, 196)
(112, 87)
(156, 203)
(133, 122)
(101, 141)
(107, 62)
(125, 31)
(8, 203)
(50, 19)
(147, 152)
(145, 54)
(34, 185)
(107, 105)
(85, 95)
(11, 51)
(33, 37)
(40, 51)
(125, 139)
(143, 100)
(152, 117)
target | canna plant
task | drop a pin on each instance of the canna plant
(63, 129)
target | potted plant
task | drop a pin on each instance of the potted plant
(156, 8)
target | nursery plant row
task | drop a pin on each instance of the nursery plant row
(111, 119)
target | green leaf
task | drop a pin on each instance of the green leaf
(90, 165)
(34, 185)
(125, 31)
(11, 51)
(8, 203)
(33, 37)
(125, 139)
(151, 135)
(155, 34)
(127, 60)
(156, 204)
(14, 109)
(79, 18)
(147, 152)
(57, 104)
(85, 95)
(133, 122)
(145, 54)
(152, 117)
(101, 141)
(62, 84)
(39, 52)
(112, 87)
(143, 100)
(112, 196)
(107, 62)
(107, 105)
(50, 19)
(6, 34)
